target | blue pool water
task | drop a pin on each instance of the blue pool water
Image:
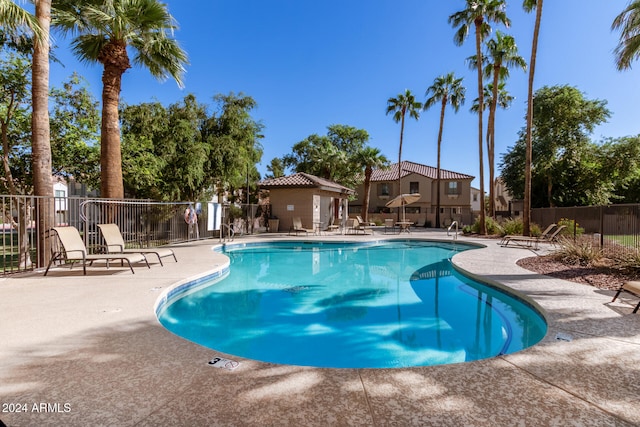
(352, 305)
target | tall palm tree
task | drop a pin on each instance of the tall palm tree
(369, 158)
(401, 105)
(628, 22)
(502, 54)
(105, 29)
(529, 5)
(445, 89)
(479, 13)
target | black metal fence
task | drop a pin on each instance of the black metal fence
(615, 227)
(143, 223)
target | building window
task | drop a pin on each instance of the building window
(475, 197)
(414, 187)
(383, 189)
(453, 188)
(59, 193)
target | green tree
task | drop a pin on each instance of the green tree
(628, 23)
(567, 169)
(14, 125)
(233, 137)
(369, 158)
(478, 14)
(146, 150)
(74, 128)
(105, 31)
(332, 156)
(275, 168)
(403, 104)
(528, 6)
(445, 90)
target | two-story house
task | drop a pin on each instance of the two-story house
(455, 194)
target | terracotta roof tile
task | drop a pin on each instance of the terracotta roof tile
(303, 180)
(407, 168)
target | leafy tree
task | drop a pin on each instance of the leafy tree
(276, 168)
(479, 13)
(620, 163)
(403, 104)
(369, 158)
(233, 139)
(628, 22)
(528, 6)
(567, 170)
(445, 89)
(332, 156)
(106, 31)
(74, 132)
(14, 125)
(145, 149)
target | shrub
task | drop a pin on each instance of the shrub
(492, 226)
(467, 229)
(512, 227)
(571, 225)
(580, 251)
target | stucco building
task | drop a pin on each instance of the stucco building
(455, 194)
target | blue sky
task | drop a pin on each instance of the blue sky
(313, 64)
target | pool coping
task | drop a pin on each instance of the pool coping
(104, 353)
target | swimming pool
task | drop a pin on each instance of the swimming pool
(351, 305)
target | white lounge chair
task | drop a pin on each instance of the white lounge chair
(115, 244)
(297, 227)
(71, 248)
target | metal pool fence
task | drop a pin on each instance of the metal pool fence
(616, 228)
(143, 223)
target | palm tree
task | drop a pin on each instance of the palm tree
(502, 54)
(369, 158)
(448, 90)
(16, 19)
(105, 29)
(628, 22)
(526, 220)
(479, 13)
(401, 105)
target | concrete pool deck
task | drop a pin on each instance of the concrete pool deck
(87, 350)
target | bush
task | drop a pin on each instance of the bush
(580, 251)
(571, 225)
(512, 227)
(492, 226)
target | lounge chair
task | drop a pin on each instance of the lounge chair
(355, 226)
(72, 248)
(297, 227)
(527, 241)
(633, 288)
(365, 223)
(544, 235)
(114, 244)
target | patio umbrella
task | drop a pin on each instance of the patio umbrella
(402, 200)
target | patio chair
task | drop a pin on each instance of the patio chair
(631, 287)
(72, 248)
(114, 244)
(297, 227)
(389, 224)
(332, 225)
(529, 241)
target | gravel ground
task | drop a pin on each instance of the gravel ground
(602, 277)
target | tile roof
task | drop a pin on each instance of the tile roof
(303, 180)
(407, 168)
